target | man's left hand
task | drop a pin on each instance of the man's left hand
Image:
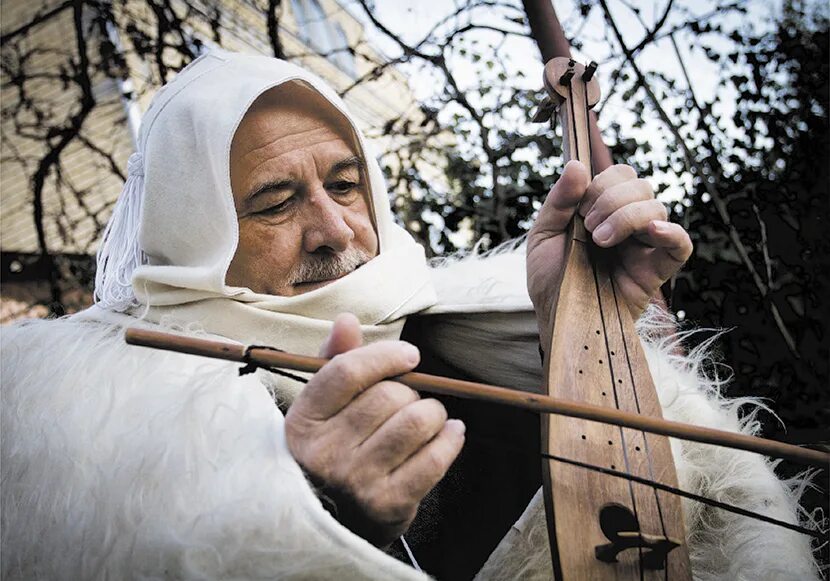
(620, 212)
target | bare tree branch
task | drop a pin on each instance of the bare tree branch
(695, 168)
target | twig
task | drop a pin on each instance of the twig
(694, 167)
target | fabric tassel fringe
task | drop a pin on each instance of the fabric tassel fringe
(120, 252)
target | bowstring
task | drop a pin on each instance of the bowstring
(489, 442)
(251, 365)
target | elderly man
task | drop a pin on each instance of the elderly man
(254, 211)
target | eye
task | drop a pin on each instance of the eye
(276, 209)
(342, 186)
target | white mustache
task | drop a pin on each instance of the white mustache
(320, 267)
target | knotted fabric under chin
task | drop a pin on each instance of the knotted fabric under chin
(120, 252)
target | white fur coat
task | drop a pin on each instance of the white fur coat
(121, 462)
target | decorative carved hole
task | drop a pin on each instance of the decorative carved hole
(600, 361)
(612, 353)
(610, 442)
(613, 467)
(585, 347)
(619, 381)
(598, 332)
(637, 448)
(580, 372)
(603, 393)
(583, 437)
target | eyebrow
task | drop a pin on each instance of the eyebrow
(276, 185)
(348, 163)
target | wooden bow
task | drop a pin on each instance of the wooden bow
(601, 527)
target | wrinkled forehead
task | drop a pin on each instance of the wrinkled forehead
(292, 111)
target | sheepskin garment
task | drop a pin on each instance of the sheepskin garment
(121, 462)
(124, 462)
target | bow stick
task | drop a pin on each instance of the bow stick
(267, 357)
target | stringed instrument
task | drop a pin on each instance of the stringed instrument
(611, 491)
(601, 527)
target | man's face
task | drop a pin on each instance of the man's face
(301, 198)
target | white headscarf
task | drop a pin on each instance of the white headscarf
(178, 254)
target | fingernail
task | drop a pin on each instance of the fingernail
(589, 220)
(456, 426)
(602, 234)
(661, 226)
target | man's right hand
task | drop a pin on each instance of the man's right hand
(373, 443)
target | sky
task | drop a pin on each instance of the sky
(411, 19)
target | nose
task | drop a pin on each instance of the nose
(325, 224)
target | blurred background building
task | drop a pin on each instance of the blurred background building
(76, 78)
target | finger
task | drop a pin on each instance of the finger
(672, 239)
(562, 200)
(348, 374)
(404, 433)
(372, 408)
(627, 221)
(614, 198)
(424, 469)
(345, 335)
(670, 247)
(616, 174)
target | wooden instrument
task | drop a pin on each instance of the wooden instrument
(600, 527)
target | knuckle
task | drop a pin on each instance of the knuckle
(598, 206)
(432, 414)
(436, 464)
(644, 187)
(414, 419)
(393, 395)
(625, 218)
(660, 209)
(623, 171)
(423, 418)
(342, 368)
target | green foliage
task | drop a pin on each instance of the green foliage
(773, 177)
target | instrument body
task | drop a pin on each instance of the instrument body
(601, 527)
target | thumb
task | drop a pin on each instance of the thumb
(345, 335)
(563, 200)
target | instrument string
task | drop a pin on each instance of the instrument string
(252, 365)
(646, 448)
(613, 372)
(489, 442)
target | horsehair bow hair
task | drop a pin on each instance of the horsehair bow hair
(277, 361)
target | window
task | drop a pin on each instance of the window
(343, 58)
(322, 35)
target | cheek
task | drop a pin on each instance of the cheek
(361, 224)
(264, 256)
